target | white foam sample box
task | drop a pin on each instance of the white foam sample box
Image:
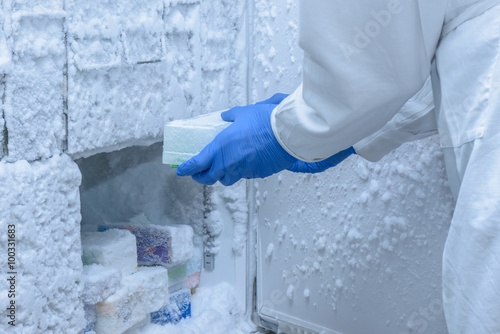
(141, 293)
(183, 139)
(99, 282)
(179, 308)
(113, 248)
(167, 245)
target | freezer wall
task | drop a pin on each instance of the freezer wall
(356, 249)
(40, 209)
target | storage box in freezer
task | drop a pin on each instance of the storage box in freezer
(167, 245)
(141, 293)
(116, 249)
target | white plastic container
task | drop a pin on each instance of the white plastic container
(183, 139)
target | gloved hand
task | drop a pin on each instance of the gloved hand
(245, 149)
(321, 166)
(275, 99)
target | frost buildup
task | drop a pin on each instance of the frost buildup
(42, 200)
(113, 248)
(33, 104)
(140, 293)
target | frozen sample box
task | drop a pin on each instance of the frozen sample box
(141, 293)
(179, 308)
(183, 139)
(159, 244)
(90, 318)
(194, 269)
(177, 276)
(99, 282)
(193, 281)
(114, 248)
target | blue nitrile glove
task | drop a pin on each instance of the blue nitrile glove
(321, 166)
(275, 99)
(245, 149)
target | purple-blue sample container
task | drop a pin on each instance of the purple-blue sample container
(153, 242)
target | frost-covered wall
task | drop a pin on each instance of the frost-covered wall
(358, 248)
(40, 207)
(133, 65)
(33, 100)
(276, 57)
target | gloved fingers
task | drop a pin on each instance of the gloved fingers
(208, 177)
(231, 114)
(197, 164)
(275, 99)
(228, 180)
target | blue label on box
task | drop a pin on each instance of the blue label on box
(178, 309)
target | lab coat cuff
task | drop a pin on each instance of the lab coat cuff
(277, 136)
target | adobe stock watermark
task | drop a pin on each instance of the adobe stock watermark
(364, 36)
(420, 320)
(426, 317)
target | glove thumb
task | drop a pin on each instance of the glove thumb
(231, 114)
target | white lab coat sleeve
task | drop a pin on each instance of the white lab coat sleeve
(363, 59)
(416, 120)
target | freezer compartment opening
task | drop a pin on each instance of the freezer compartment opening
(146, 235)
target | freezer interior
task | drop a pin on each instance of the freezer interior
(132, 188)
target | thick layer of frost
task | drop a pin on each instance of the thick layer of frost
(99, 282)
(33, 102)
(140, 293)
(150, 63)
(114, 248)
(42, 200)
(235, 200)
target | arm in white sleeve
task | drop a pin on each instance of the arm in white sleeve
(363, 59)
(415, 120)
